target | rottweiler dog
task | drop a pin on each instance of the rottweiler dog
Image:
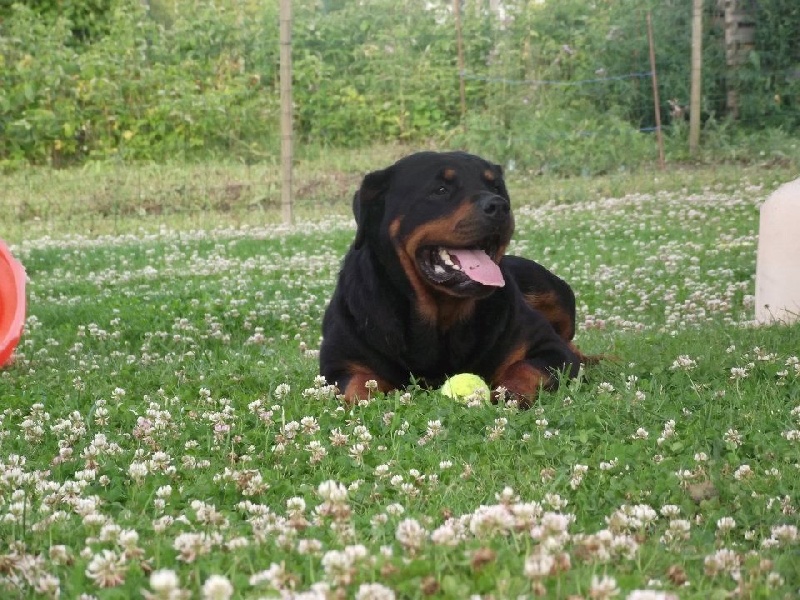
(426, 290)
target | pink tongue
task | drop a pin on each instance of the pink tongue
(477, 265)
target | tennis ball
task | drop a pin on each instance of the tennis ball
(465, 387)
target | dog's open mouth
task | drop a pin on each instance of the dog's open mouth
(460, 268)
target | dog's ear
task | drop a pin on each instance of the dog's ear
(368, 202)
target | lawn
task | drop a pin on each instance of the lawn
(164, 433)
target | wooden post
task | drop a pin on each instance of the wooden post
(460, 40)
(656, 101)
(697, 72)
(286, 111)
(740, 31)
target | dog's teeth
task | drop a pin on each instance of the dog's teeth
(445, 257)
(439, 269)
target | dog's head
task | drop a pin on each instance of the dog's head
(443, 218)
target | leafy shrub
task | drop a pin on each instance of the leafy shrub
(131, 94)
(36, 69)
(558, 142)
(190, 79)
(89, 20)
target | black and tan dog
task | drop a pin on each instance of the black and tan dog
(426, 290)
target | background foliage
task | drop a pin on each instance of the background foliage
(188, 79)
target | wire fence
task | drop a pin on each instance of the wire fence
(537, 82)
(364, 95)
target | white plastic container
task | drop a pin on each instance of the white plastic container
(778, 260)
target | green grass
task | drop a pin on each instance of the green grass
(146, 416)
(106, 198)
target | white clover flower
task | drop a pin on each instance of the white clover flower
(138, 470)
(447, 534)
(48, 585)
(374, 591)
(296, 505)
(608, 465)
(217, 587)
(107, 569)
(434, 428)
(670, 510)
(410, 534)
(163, 582)
(538, 566)
(651, 595)
(785, 534)
(723, 560)
(488, 521)
(683, 363)
(793, 435)
(395, 510)
(603, 587)
(726, 524)
(739, 373)
(309, 425)
(733, 437)
(332, 491)
(273, 576)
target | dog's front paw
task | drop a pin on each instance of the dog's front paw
(520, 382)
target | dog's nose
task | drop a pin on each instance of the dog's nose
(493, 206)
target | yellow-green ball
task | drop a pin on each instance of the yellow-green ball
(465, 387)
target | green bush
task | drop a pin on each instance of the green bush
(37, 68)
(89, 20)
(142, 92)
(109, 79)
(559, 141)
(387, 74)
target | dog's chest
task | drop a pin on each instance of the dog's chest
(433, 354)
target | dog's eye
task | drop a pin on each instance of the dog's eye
(440, 191)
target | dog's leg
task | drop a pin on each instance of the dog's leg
(522, 381)
(560, 313)
(535, 365)
(357, 383)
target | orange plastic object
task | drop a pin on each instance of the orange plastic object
(12, 303)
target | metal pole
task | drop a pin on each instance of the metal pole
(697, 71)
(656, 101)
(460, 40)
(287, 140)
